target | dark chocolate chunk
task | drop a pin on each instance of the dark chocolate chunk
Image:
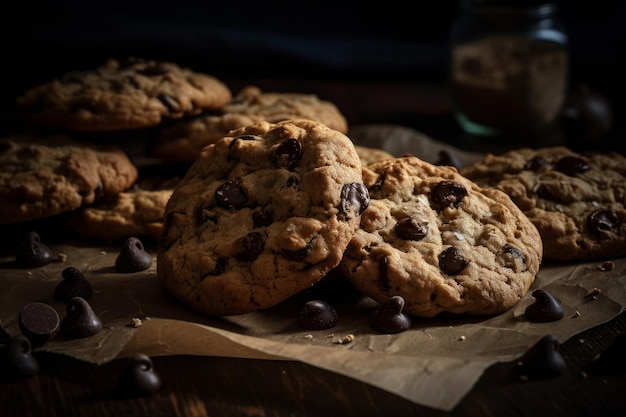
(262, 216)
(288, 153)
(543, 359)
(17, 358)
(451, 260)
(133, 257)
(231, 195)
(139, 377)
(169, 102)
(317, 315)
(572, 165)
(601, 221)
(80, 320)
(409, 228)
(251, 245)
(74, 284)
(447, 194)
(39, 322)
(355, 197)
(389, 318)
(536, 164)
(546, 308)
(447, 158)
(31, 253)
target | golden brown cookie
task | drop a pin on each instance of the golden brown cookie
(577, 201)
(119, 95)
(441, 242)
(40, 180)
(260, 216)
(182, 140)
(369, 155)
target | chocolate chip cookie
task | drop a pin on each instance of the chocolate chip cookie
(261, 215)
(122, 94)
(440, 241)
(576, 201)
(369, 155)
(182, 140)
(40, 180)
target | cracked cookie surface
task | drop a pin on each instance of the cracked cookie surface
(440, 241)
(261, 215)
(577, 201)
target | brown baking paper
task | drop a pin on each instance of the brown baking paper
(434, 364)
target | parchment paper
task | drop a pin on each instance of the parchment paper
(434, 364)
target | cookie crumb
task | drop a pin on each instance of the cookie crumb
(583, 375)
(523, 378)
(576, 314)
(61, 257)
(135, 322)
(593, 293)
(29, 273)
(462, 338)
(606, 266)
(103, 252)
(345, 340)
(308, 336)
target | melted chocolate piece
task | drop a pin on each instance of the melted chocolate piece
(537, 163)
(410, 229)
(31, 253)
(139, 377)
(74, 284)
(39, 322)
(288, 154)
(18, 359)
(80, 320)
(231, 195)
(389, 318)
(133, 257)
(447, 194)
(354, 197)
(317, 315)
(601, 221)
(572, 165)
(543, 359)
(251, 245)
(546, 308)
(451, 261)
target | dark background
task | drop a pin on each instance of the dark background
(337, 41)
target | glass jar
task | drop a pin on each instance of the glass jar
(508, 67)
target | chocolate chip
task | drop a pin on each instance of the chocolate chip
(447, 194)
(509, 249)
(80, 320)
(133, 257)
(317, 315)
(389, 318)
(231, 195)
(447, 158)
(139, 377)
(168, 101)
(451, 260)
(572, 165)
(31, 253)
(18, 359)
(298, 255)
(601, 221)
(410, 229)
(74, 284)
(261, 217)
(543, 192)
(39, 322)
(250, 246)
(537, 163)
(288, 153)
(354, 197)
(546, 308)
(543, 359)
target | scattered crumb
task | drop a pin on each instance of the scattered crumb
(462, 338)
(576, 314)
(583, 375)
(29, 273)
(135, 322)
(593, 293)
(581, 340)
(103, 252)
(345, 340)
(607, 266)
(61, 257)
(308, 336)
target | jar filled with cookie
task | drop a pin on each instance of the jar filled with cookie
(508, 67)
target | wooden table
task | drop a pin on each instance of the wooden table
(214, 386)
